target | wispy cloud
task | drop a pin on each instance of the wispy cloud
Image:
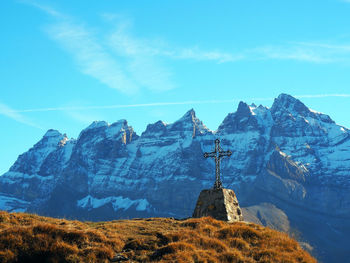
(327, 46)
(47, 9)
(91, 57)
(296, 53)
(145, 57)
(313, 52)
(310, 52)
(142, 60)
(322, 96)
(91, 54)
(16, 116)
(155, 104)
(196, 53)
(160, 104)
(305, 96)
(129, 63)
(126, 44)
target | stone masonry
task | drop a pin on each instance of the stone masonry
(221, 204)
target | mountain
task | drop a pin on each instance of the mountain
(289, 156)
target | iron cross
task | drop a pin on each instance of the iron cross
(217, 155)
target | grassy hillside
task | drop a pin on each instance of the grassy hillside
(32, 238)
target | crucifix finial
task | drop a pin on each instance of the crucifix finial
(217, 155)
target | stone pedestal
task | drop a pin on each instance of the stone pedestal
(221, 204)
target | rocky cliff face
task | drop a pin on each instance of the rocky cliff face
(287, 155)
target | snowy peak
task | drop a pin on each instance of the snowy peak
(96, 125)
(293, 119)
(118, 128)
(189, 116)
(287, 103)
(51, 139)
(246, 118)
(52, 133)
(30, 161)
(122, 122)
(155, 129)
(189, 122)
(320, 116)
(99, 130)
(244, 110)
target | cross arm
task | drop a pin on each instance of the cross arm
(212, 154)
(225, 153)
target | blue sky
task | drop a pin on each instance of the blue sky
(64, 64)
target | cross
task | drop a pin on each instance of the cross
(217, 154)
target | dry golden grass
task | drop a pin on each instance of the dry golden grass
(32, 238)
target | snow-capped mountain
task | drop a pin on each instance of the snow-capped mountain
(286, 155)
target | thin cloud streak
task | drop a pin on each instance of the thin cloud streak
(124, 106)
(296, 53)
(144, 57)
(127, 45)
(322, 96)
(312, 52)
(201, 55)
(16, 116)
(47, 9)
(337, 48)
(155, 104)
(307, 96)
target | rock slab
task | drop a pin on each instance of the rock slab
(221, 204)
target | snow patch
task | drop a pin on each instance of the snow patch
(316, 112)
(118, 202)
(283, 154)
(68, 149)
(53, 133)
(96, 124)
(252, 108)
(116, 128)
(12, 204)
(18, 175)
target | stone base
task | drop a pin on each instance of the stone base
(221, 204)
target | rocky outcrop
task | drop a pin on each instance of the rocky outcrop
(267, 214)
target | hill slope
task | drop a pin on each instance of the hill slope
(32, 238)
